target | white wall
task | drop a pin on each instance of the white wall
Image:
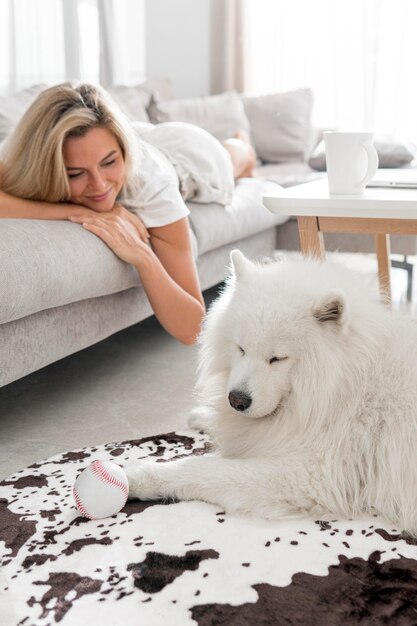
(178, 44)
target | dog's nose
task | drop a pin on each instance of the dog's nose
(239, 401)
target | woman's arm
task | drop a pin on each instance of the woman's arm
(20, 208)
(181, 307)
(167, 270)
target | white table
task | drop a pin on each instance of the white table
(380, 212)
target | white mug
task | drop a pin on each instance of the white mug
(351, 160)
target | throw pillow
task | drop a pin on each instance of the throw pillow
(281, 125)
(221, 115)
(132, 100)
(391, 153)
(6, 127)
(13, 106)
(160, 88)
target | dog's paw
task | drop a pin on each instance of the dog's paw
(143, 481)
(201, 418)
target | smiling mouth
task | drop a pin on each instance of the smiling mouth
(103, 196)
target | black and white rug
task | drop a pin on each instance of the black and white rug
(187, 562)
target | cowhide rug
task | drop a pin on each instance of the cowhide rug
(187, 562)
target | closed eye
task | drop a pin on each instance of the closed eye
(81, 172)
(242, 352)
(275, 359)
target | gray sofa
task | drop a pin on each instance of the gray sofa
(62, 289)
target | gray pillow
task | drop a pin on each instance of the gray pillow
(221, 115)
(13, 106)
(134, 100)
(6, 127)
(281, 125)
(160, 88)
(391, 153)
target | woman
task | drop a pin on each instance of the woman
(74, 156)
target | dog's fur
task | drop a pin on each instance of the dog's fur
(331, 378)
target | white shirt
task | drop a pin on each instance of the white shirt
(159, 200)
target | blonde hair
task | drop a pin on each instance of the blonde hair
(33, 160)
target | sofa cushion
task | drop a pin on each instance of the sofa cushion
(44, 264)
(221, 115)
(215, 226)
(281, 128)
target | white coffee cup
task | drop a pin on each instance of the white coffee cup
(351, 161)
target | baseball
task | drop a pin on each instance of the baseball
(101, 490)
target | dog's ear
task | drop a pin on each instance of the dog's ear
(240, 264)
(332, 307)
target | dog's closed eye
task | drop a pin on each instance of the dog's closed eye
(276, 359)
(242, 352)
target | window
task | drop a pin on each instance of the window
(358, 56)
(49, 41)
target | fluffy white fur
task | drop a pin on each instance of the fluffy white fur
(332, 379)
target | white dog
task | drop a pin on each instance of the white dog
(313, 387)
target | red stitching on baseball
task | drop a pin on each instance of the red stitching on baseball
(101, 473)
(80, 505)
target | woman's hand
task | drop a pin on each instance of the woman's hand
(133, 219)
(123, 232)
(75, 210)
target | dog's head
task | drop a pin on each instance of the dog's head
(277, 330)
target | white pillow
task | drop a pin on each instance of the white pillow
(281, 125)
(221, 115)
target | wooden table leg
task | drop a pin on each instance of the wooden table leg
(382, 246)
(311, 239)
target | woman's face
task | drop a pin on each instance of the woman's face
(96, 169)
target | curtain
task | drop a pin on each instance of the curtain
(227, 45)
(122, 41)
(49, 41)
(24, 61)
(358, 56)
(395, 95)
